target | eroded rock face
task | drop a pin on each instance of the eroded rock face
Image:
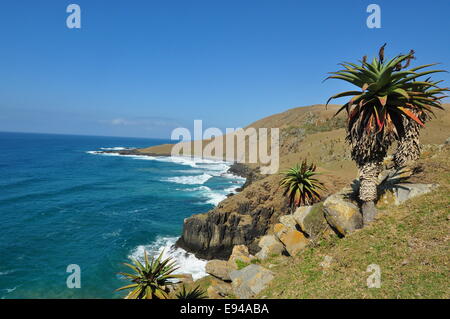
(238, 220)
(219, 289)
(250, 280)
(293, 240)
(342, 214)
(269, 245)
(213, 235)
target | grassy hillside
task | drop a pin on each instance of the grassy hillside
(411, 244)
(311, 132)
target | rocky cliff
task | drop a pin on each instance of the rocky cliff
(235, 221)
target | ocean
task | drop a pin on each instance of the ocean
(62, 202)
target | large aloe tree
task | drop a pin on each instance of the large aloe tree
(391, 104)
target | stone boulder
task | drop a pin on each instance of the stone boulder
(342, 214)
(311, 220)
(250, 280)
(288, 221)
(269, 245)
(218, 268)
(292, 239)
(239, 252)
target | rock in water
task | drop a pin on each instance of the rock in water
(269, 245)
(343, 215)
(293, 240)
(250, 280)
(219, 269)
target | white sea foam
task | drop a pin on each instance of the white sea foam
(189, 180)
(118, 148)
(210, 196)
(187, 262)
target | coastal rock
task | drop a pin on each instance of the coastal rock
(240, 252)
(288, 221)
(269, 245)
(292, 239)
(311, 220)
(219, 269)
(343, 215)
(250, 280)
(237, 220)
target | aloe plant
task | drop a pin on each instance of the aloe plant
(195, 293)
(151, 279)
(391, 104)
(301, 186)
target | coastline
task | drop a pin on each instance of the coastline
(175, 247)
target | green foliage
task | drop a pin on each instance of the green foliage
(388, 94)
(196, 293)
(301, 186)
(240, 264)
(150, 279)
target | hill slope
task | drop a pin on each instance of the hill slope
(410, 243)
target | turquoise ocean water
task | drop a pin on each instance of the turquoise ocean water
(63, 203)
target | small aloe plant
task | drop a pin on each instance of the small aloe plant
(301, 186)
(196, 293)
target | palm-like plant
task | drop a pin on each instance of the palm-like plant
(196, 293)
(391, 105)
(408, 148)
(301, 186)
(151, 279)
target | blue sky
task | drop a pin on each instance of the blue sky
(141, 68)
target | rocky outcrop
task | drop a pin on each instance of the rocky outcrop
(250, 280)
(238, 220)
(250, 174)
(213, 235)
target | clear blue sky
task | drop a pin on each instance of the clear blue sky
(141, 68)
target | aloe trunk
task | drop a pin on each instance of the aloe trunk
(408, 149)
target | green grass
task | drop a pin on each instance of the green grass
(240, 264)
(410, 243)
